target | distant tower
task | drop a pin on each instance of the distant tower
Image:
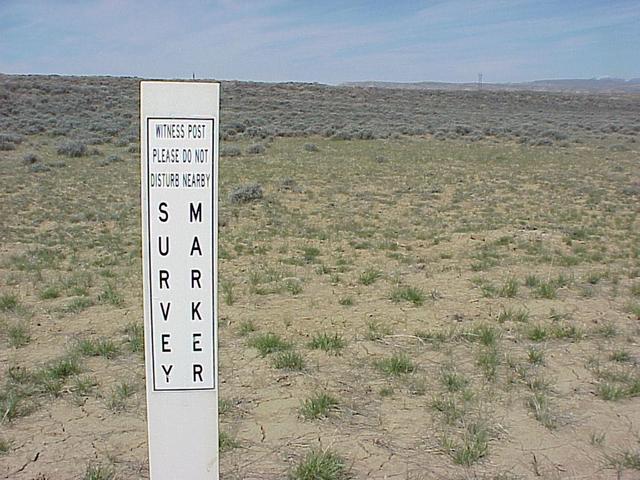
(480, 81)
(193, 75)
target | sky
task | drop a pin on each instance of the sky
(326, 41)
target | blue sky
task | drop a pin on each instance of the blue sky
(326, 41)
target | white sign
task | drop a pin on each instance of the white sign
(179, 136)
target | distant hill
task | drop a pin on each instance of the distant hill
(573, 85)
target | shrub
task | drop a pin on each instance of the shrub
(342, 135)
(246, 193)
(618, 147)
(288, 184)
(633, 189)
(230, 151)
(109, 160)
(256, 149)
(311, 147)
(11, 137)
(29, 158)
(39, 168)
(9, 141)
(73, 149)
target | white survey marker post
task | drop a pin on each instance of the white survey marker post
(179, 156)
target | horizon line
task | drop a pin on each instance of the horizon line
(345, 82)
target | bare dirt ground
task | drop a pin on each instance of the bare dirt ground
(468, 310)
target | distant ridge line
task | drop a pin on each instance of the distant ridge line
(573, 85)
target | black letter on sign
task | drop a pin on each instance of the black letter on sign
(196, 246)
(195, 278)
(194, 311)
(196, 342)
(195, 213)
(165, 313)
(164, 252)
(164, 214)
(167, 371)
(165, 342)
(164, 278)
(197, 372)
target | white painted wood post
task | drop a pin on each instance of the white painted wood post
(179, 156)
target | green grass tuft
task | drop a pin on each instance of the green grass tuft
(18, 334)
(102, 347)
(611, 391)
(228, 293)
(408, 294)
(540, 405)
(77, 305)
(452, 380)
(82, 386)
(475, 445)
(117, 400)
(627, 459)
(620, 356)
(50, 292)
(488, 361)
(134, 332)
(452, 407)
(288, 360)
(376, 330)
(8, 302)
(487, 335)
(226, 442)
(318, 405)
(369, 276)
(397, 364)
(537, 333)
(510, 288)
(320, 465)
(535, 356)
(246, 327)
(546, 290)
(293, 286)
(346, 301)
(111, 296)
(329, 343)
(267, 343)
(5, 445)
(532, 281)
(99, 472)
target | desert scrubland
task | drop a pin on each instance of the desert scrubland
(413, 284)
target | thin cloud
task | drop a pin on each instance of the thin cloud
(278, 40)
